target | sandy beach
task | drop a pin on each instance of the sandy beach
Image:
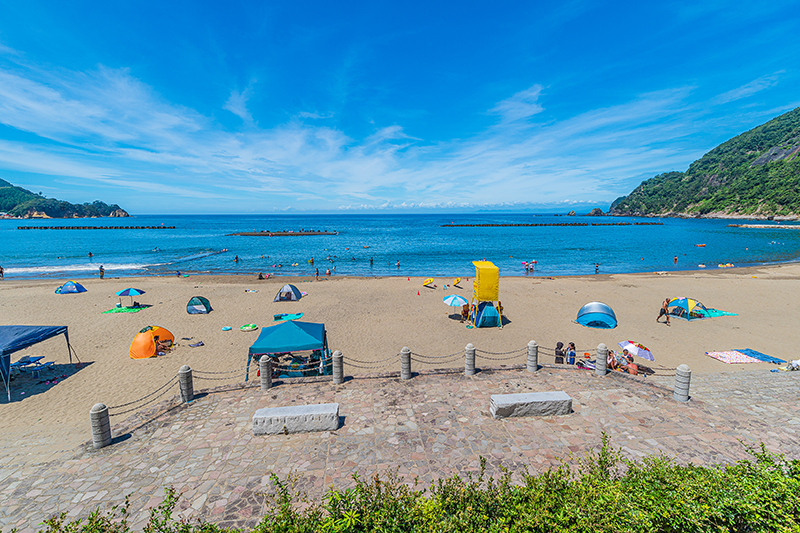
(368, 319)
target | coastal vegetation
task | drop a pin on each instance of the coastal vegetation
(19, 202)
(602, 493)
(755, 174)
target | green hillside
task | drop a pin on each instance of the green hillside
(756, 173)
(21, 202)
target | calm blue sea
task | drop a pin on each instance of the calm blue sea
(418, 242)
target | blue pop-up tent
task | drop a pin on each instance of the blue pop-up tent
(16, 338)
(288, 337)
(70, 287)
(597, 315)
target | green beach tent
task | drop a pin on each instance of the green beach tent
(198, 306)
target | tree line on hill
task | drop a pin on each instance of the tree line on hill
(755, 174)
(19, 202)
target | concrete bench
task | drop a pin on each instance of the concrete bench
(531, 404)
(296, 419)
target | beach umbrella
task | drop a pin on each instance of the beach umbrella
(454, 300)
(639, 350)
(130, 291)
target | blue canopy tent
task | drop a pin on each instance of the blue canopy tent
(597, 315)
(16, 338)
(288, 337)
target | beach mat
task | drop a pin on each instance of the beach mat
(126, 309)
(713, 313)
(733, 357)
(286, 316)
(760, 356)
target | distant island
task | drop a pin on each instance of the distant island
(754, 175)
(17, 202)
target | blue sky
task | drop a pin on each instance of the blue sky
(264, 107)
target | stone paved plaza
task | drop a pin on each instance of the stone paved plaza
(429, 427)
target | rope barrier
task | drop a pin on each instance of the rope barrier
(364, 367)
(146, 403)
(297, 366)
(349, 360)
(438, 356)
(435, 361)
(502, 353)
(174, 378)
(219, 379)
(223, 372)
(518, 353)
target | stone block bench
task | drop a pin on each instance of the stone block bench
(296, 419)
(530, 404)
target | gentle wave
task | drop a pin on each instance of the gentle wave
(54, 269)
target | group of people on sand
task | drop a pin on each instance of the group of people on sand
(567, 354)
(622, 362)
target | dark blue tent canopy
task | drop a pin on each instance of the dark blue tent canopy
(16, 338)
(288, 337)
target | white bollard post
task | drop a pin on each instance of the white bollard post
(101, 426)
(185, 381)
(601, 361)
(265, 368)
(405, 363)
(338, 367)
(533, 356)
(683, 376)
(469, 360)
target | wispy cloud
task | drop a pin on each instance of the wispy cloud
(749, 89)
(237, 104)
(106, 127)
(522, 105)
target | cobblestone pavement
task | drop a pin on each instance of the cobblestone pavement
(429, 427)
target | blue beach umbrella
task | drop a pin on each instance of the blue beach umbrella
(454, 300)
(130, 291)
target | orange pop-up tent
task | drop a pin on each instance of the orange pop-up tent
(144, 344)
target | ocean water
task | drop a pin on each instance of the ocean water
(418, 242)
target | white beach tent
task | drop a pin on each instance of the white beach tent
(288, 293)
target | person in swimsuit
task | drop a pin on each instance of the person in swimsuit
(664, 311)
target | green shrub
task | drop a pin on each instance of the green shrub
(603, 492)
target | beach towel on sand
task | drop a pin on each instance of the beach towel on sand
(126, 309)
(760, 356)
(286, 316)
(732, 357)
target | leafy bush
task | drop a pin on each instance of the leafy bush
(603, 493)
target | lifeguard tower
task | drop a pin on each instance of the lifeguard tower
(486, 291)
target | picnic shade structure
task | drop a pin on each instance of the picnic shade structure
(288, 337)
(130, 291)
(639, 350)
(454, 300)
(16, 338)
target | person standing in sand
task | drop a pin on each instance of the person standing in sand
(664, 311)
(102, 271)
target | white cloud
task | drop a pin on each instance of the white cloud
(522, 105)
(749, 89)
(237, 104)
(105, 126)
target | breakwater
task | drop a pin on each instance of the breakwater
(564, 224)
(282, 233)
(95, 227)
(765, 226)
